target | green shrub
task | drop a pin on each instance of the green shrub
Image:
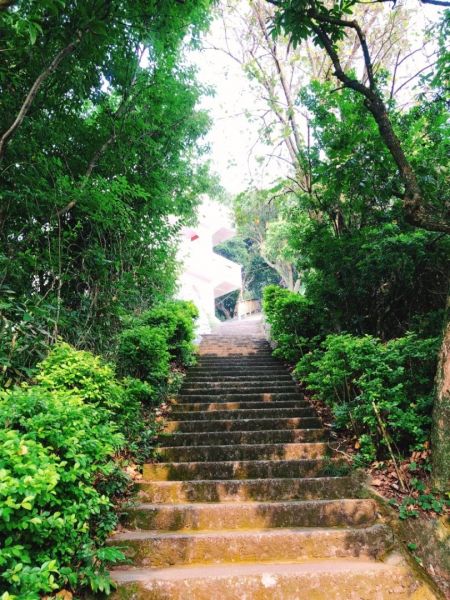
(176, 319)
(53, 447)
(95, 381)
(87, 375)
(351, 374)
(296, 325)
(143, 353)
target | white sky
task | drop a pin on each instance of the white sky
(232, 138)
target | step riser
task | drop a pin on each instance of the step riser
(334, 513)
(244, 362)
(237, 371)
(207, 406)
(241, 425)
(233, 353)
(244, 385)
(277, 546)
(241, 437)
(261, 413)
(394, 584)
(239, 378)
(204, 399)
(258, 490)
(244, 452)
(203, 390)
(236, 470)
(224, 360)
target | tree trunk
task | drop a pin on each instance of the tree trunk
(441, 413)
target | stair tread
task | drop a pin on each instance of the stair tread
(251, 504)
(271, 532)
(304, 480)
(305, 567)
(235, 462)
(226, 446)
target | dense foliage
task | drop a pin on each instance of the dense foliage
(102, 172)
(362, 379)
(100, 165)
(365, 331)
(63, 441)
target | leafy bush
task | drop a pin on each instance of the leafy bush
(296, 325)
(95, 381)
(160, 335)
(57, 473)
(176, 318)
(359, 376)
(143, 353)
(82, 372)
(53, 447)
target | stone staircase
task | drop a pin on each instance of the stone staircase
(248, 503)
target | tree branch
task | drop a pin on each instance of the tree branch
(7, 135)
(415, 212)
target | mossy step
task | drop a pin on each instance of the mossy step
(159, 549)
(222, 438)
(252, 515)
(209, 406)
(239, 369)
(217, 353)
(248, 378)
(243, 452)
(247, 362)
(238, 381)
(225, 388)
(341, 579)
(238, 385)
(247, 397)
(248, 413)
(262, 490)
(245, 469)
(241, 424)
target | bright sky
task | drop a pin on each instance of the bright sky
(233, 140)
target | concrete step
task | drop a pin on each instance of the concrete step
(248, 413)
(239, 381)
(252, 515)
(244, 379)
(246, 469)
(238, 370)
(218, 353)
(237, 358)
(159, 549)
(258, 397)
(247, 362)
(341, 579)
(210, 406)
(222, 438)
(243, 452)
(225, 388)
(259, 490)
(242, 424)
